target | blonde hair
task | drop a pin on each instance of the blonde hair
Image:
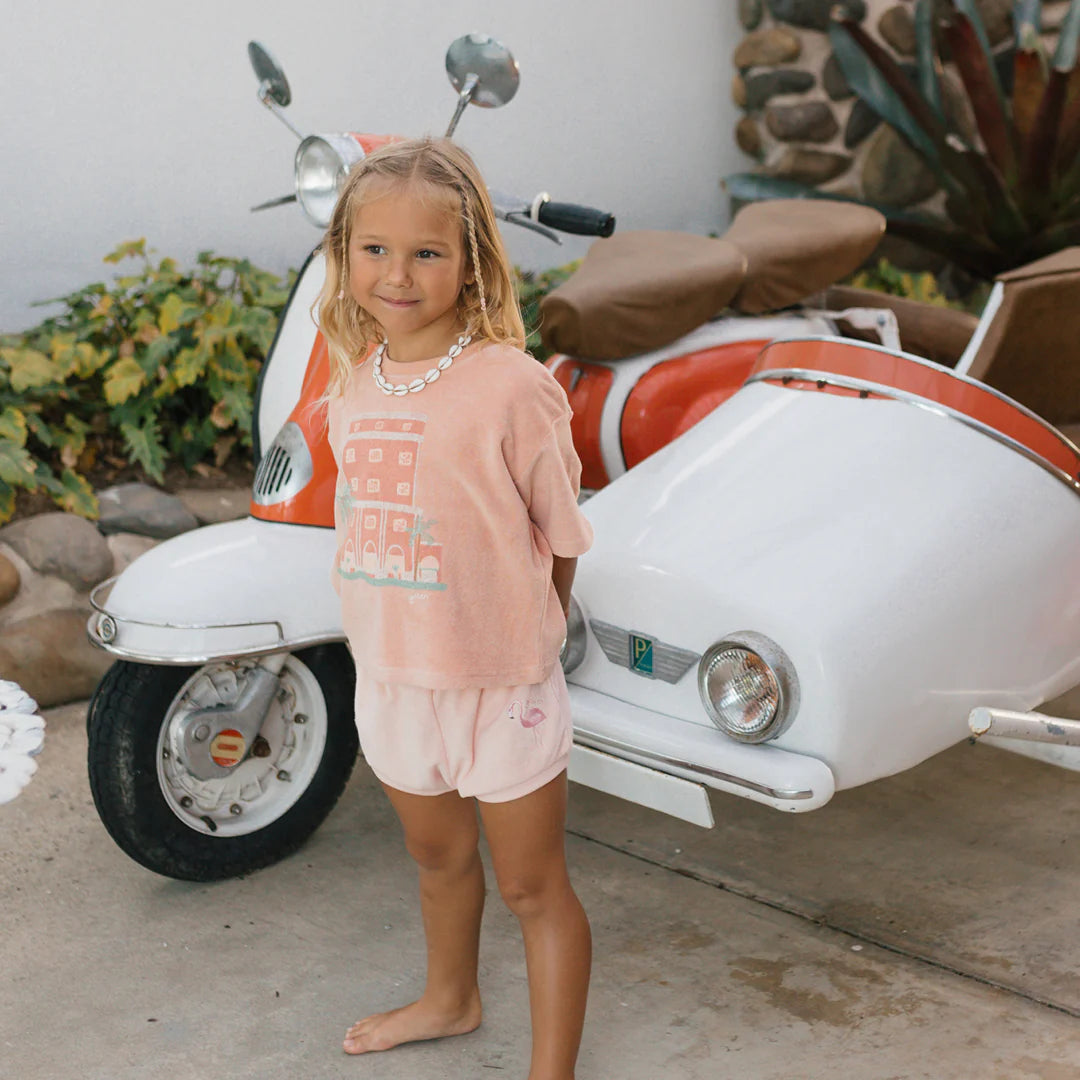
(488, 303)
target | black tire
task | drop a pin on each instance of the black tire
(124, 722)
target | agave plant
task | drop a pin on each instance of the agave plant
(1010, 199)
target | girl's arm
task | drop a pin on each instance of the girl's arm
(562, 575)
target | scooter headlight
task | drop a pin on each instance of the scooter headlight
(573, 650)
(322, 163)
(748, 687)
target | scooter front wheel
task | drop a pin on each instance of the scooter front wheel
(181, 826)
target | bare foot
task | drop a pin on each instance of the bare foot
(411, 1023)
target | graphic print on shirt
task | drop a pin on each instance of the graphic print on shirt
(387, 539)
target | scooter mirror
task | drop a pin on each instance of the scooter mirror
(491, 62)
(272, 81)
(483, 71)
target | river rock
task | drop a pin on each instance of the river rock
(814, 14)
(49, 657)
(62, 544)
(9, 580)
(750, 12)
(127, 547)
(897, 27)
(37, 592)
(222, 504)
(895, 174)
(810, 166)
(997, 17)
(142, 509)
(861, 121)
(760, 88)
(808, 121)
(748, 136)
(834, 80)
(767, 48)
(738, 90)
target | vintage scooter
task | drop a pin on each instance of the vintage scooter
(801, 542)
(223, 735)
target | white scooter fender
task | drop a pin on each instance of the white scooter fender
(241, 588)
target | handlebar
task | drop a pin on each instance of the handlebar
(572, 218)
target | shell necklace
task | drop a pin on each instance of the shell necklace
(414, 387)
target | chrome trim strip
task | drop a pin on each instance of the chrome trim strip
(605, 742)
(176, 626)
(207, 658)
(935, 407)
(670, 663)
(933, 367)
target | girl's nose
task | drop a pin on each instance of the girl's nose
(397, 272)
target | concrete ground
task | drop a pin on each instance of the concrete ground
(923, 926)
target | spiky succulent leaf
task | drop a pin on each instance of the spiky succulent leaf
(1065, 53)
(877, 78)
(928, 65)
(1040, 153)
(1029, 84)
(971, 54)
(1027, 15)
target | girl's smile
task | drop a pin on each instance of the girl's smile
(407, 268)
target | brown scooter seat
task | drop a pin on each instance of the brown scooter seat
(639, 291)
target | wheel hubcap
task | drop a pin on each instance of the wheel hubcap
(268, 777)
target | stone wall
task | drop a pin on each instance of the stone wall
(801, 120)
(49, 564)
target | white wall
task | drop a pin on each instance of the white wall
(126, 118)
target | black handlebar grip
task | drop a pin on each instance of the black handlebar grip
(571, 218)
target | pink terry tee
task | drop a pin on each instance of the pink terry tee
(450, 504)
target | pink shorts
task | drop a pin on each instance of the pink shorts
(492, 743)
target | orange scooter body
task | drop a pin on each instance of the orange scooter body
(667, 400)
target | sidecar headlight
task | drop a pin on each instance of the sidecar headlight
(322, 163)
(573, 650)
(748, 687)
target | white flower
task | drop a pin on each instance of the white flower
(22, 735)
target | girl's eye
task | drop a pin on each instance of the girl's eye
(374, 249)
(426, 253)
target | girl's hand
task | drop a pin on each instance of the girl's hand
(562, 576)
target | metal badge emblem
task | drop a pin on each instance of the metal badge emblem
(643, 655)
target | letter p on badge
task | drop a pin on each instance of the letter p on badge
(641, 655)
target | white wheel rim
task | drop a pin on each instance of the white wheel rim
(259, 790)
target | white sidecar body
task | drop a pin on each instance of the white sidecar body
(904, 535)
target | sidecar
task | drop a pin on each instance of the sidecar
(814, 585)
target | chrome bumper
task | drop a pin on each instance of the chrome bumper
(675, 748)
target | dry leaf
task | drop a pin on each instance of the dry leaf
(223, 448)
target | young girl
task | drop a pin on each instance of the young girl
(458, 532)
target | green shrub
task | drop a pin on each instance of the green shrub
(158, 367)
(885, 277)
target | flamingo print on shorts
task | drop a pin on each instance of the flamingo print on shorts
(528, 714)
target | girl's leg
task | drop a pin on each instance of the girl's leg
(441, 835)
(527, 848)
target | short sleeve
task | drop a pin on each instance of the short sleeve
(550, 489)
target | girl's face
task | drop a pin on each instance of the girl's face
(407, 268)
